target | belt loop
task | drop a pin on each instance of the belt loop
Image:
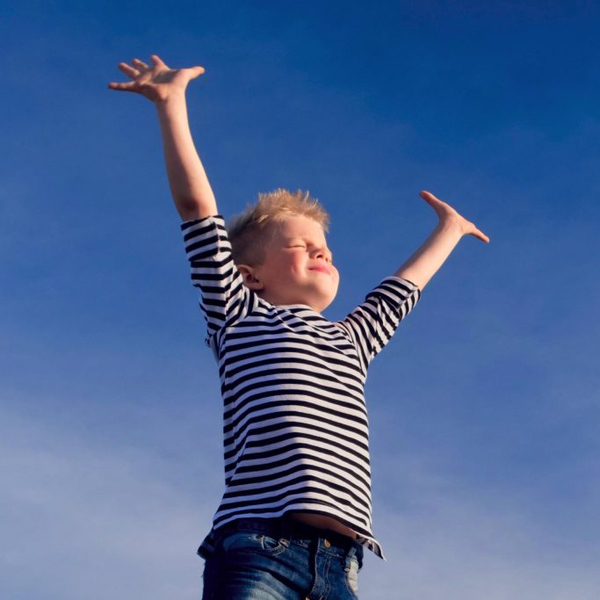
(358, 550)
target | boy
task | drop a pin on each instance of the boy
(296, 513)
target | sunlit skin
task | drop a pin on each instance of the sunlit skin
(298, 269)
(297, 266)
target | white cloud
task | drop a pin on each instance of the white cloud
(460, 543)
(85, 521)
(82, 519)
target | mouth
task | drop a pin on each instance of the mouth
(321, 269)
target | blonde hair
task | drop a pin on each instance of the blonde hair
(248, 231)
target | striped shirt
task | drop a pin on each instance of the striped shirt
(295, 423)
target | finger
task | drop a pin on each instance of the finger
(129, 86)
(427, 195)
(157, 61)
(429, 198)
(128, 70)
(196, 71)
(438, 206)
(480, 235)
(139, 64)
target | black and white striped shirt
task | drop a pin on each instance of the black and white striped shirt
(295, 421)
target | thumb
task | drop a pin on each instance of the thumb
(196, 71)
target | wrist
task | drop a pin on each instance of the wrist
(451, 224)
(166, 101)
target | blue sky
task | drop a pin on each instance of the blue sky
(484, 408)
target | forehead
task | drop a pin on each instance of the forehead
(298, 226)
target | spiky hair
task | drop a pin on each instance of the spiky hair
(248, 230)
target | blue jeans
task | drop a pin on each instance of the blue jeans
(281, 559)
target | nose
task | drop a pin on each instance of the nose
(325, 254)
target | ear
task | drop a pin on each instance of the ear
(249, 277)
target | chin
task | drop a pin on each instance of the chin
(325, 303)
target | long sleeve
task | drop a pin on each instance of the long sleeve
(223, 297)
(372, 324)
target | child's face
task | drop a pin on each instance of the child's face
(298, 266)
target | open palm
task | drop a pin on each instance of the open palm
(446, 213)
(157, 81)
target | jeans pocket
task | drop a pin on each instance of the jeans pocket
(239, 541)
(273, 546)
(351, 570)
(254, 542)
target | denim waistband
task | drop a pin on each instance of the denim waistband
(289, 528)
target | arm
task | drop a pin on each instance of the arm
(372, 324)
(190, 188)
(427, 260)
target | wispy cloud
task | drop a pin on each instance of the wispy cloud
(82, 520)
(453, 541)
(94, 520)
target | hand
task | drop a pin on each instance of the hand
(447, 214)
(156, 82)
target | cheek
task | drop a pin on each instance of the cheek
(336, 281)
(297, 264)
(286, 264)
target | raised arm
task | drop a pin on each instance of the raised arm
(427, 260)
(165, 87)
